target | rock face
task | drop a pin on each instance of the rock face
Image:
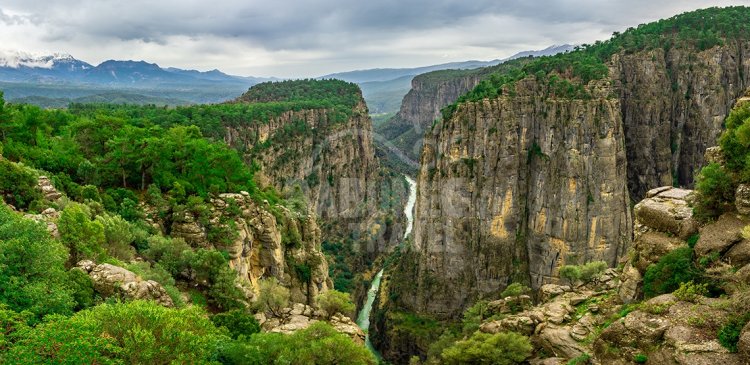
(331, 163)
(513, 187)
(110, 280)
(255, 244)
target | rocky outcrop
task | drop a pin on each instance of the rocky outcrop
(48, 190)
(259, 245)
(327, 159)
(511, 189)
(48, 217)
(114, 281)
(301, 316)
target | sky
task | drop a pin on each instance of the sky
(308, 38)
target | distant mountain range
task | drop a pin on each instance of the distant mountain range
(383, 88)
(58, 79)
(64, 68)
(387, 74)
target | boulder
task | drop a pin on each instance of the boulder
(558, 341)
(300, 316)
(668, 211)
(110, 280)
(520, 324)
(714, 155)
(651, 246)
(720, 236)
(549, 291)
(631, 280)
(742, 199)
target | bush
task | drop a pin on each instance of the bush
(672, 269)
(151, 334)
(273, 297)
(640, 358)
(32, 268)
(118, 236)
(729, 334)
(83, 236)
(582, 359)
(238, 322)
(474, 315)
(334, 301)
(715, 189)
(17, 185)
(690, 291)
(591, 270)
(504, 348)
(571, 273)
(82, 288)
(514, 290)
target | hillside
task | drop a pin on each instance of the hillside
(536, 167)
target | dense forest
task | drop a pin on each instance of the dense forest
(110, 162)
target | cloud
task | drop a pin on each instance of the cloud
(305, 38)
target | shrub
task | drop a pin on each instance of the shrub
(640, 358)
(273, 297)
(715, 189)
(239, 323)
(672, 269)
(581, 359)
(151, 334)
(82, 288)
(591, 270)
(514, 290)
(690, 291)
(729, 334)
(571, 273)
(334, 301)
(82, 235)
(118, 236)
(32, 271)
(504, 348)
(474, 315)
(17, 185)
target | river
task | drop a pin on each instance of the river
(363, 320)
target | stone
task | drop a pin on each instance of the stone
(48, 190)
(651, 246)
(720, 236)
(549, 291)
(631, 283)
(558, 341)
(714, 155)
(517, 323)
(110, 280)
(742, 199)
(668, 211)
(557, 312)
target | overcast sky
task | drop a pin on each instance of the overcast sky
(310, 38)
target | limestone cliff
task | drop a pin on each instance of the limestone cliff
(258, 244)
(512, 187)
(324, 154)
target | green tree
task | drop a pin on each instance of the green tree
(32, 269)
(504, 348)
(238, 322)
(514, 290)
(334, 301)
(83, 236)
(273, 297)
(672, 269)
(118, 235)
(151, 334)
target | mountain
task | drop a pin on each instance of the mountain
(386, 74)
(383, 88)
(50, 79)
(537, 166)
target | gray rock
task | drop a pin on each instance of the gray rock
(742, 199)
(110, 280)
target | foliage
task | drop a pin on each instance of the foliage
(582, 359)
(32, 269)
(151, 335)
(690, 291)
(566, 75)
(504, 348)
(83, 236)
(238, 322)
(585, 273)
(17, 185)
(118, 235)
(334, 301)
(514, 290)
(729, 334)
(715, 189)
(640, 358)
(318, 344)
(474, 316)
(672, 269)
(82, 288)
(339, 270)
(273, 297)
